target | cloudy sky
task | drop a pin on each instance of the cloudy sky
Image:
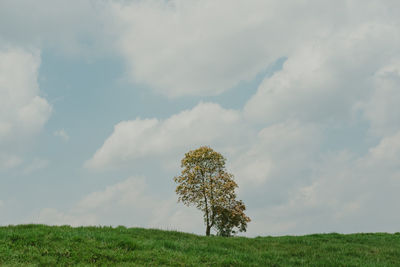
(99, 101)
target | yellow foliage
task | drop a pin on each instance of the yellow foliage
(205, 183)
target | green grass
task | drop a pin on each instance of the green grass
(40, 245)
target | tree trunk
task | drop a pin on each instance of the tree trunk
(208, 230)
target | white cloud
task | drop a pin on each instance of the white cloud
(280, 145)
(130, 203)
(62, 134)
(206, 47)
(22, 111)
(205, 124)
(325, 79)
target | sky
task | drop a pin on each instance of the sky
(100, 100)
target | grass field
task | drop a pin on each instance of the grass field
(40, 245)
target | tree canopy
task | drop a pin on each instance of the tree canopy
(204, 183)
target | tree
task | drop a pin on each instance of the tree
(205, 184)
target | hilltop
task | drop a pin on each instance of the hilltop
(30, 245)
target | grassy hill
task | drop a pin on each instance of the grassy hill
(31, 245)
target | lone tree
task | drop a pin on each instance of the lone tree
(204, 183)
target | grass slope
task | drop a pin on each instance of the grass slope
(31, 245)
